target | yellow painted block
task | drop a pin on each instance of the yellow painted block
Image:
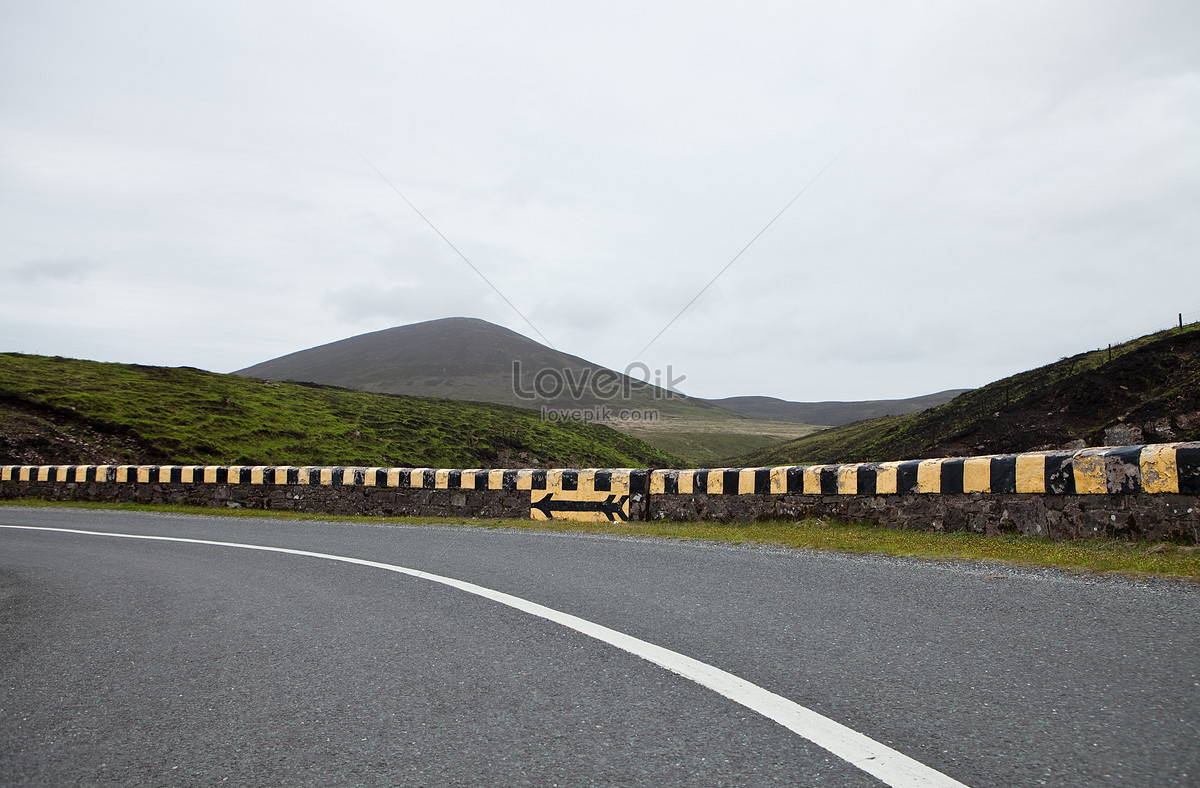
(885, 478)
(812, 479)
(416, 478)
(847, 480)
(746, 481)
(587, 480)
(779, 481)
(1031, 473)
(618, 481)
(347, 479)
(441, 479)
(393, 477)
(686, 482)
(43, 474)
(658, 482)
(977, 475)
(554, 479)
(102, 473)
(929, 476)
(25, 473)
(496, 479)
(124, 472)
(716, 481)
(1090, 476)
(525, 479)
(1160, 469)
(6, 473)
(325, 477)
(304, 474)
(80, 473)
(466, 478)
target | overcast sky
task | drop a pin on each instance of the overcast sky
(997, 185)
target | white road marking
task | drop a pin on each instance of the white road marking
(880, 761)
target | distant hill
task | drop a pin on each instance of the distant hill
(470, 359)
(1146, 390)
(833, 413)
(66, 411)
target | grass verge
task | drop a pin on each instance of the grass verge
(1109, 556)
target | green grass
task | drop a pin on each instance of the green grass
(1141, 559)
(189, 416)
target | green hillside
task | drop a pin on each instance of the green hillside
(57, 410)
(1143, 391)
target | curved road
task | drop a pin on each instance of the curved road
(160, 662)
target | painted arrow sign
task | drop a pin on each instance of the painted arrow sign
(572, 505)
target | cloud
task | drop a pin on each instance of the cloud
(1010, 170)
(58, 269)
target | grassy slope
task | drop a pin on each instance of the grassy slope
(184, 415)
(705, 443)
(1152, 383)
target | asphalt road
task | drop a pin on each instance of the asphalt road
(145, 662)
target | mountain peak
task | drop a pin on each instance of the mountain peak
(454, 357)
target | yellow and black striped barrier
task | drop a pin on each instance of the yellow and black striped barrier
(1159, 468)
(607, 493)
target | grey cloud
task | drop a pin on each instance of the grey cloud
(56, 269)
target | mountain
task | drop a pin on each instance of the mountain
(67, 411)
(470, 359)
(1143, 391)
(833, 413)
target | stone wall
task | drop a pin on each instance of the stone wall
(369, 501)
(1148, 517)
